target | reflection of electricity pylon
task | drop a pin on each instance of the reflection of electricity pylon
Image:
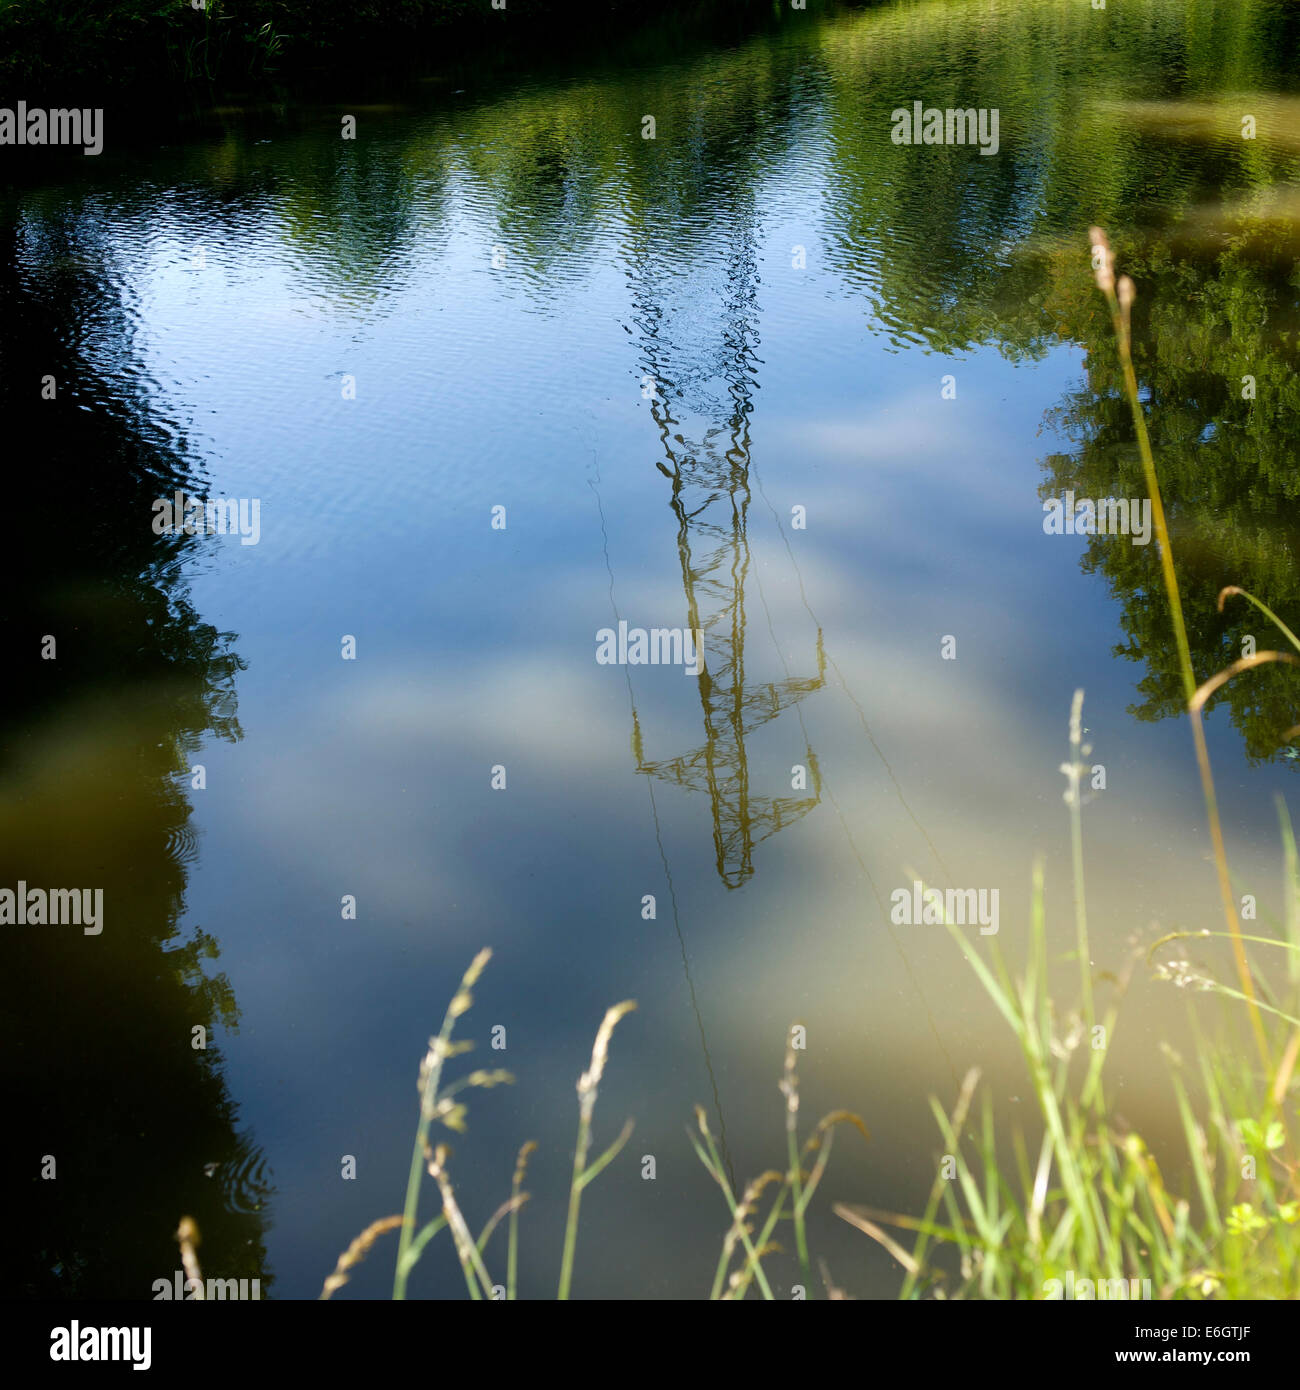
(710, 498)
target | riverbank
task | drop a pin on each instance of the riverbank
(134, 51)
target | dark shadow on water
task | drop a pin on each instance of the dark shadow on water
(117, 1125)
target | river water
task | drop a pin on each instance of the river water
(500, 372)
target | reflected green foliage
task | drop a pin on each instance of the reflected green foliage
(100, 1072)
(934, 236)
(950, 250)
(1216, 318)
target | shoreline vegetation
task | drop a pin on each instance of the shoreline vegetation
(134, 52)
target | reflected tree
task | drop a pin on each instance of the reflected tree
(118, 1122)
(1217, 353)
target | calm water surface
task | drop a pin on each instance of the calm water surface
(658, 356)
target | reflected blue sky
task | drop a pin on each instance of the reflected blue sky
(257, 276)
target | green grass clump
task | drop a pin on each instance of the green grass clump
(439, 1105)
(794, 1187)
